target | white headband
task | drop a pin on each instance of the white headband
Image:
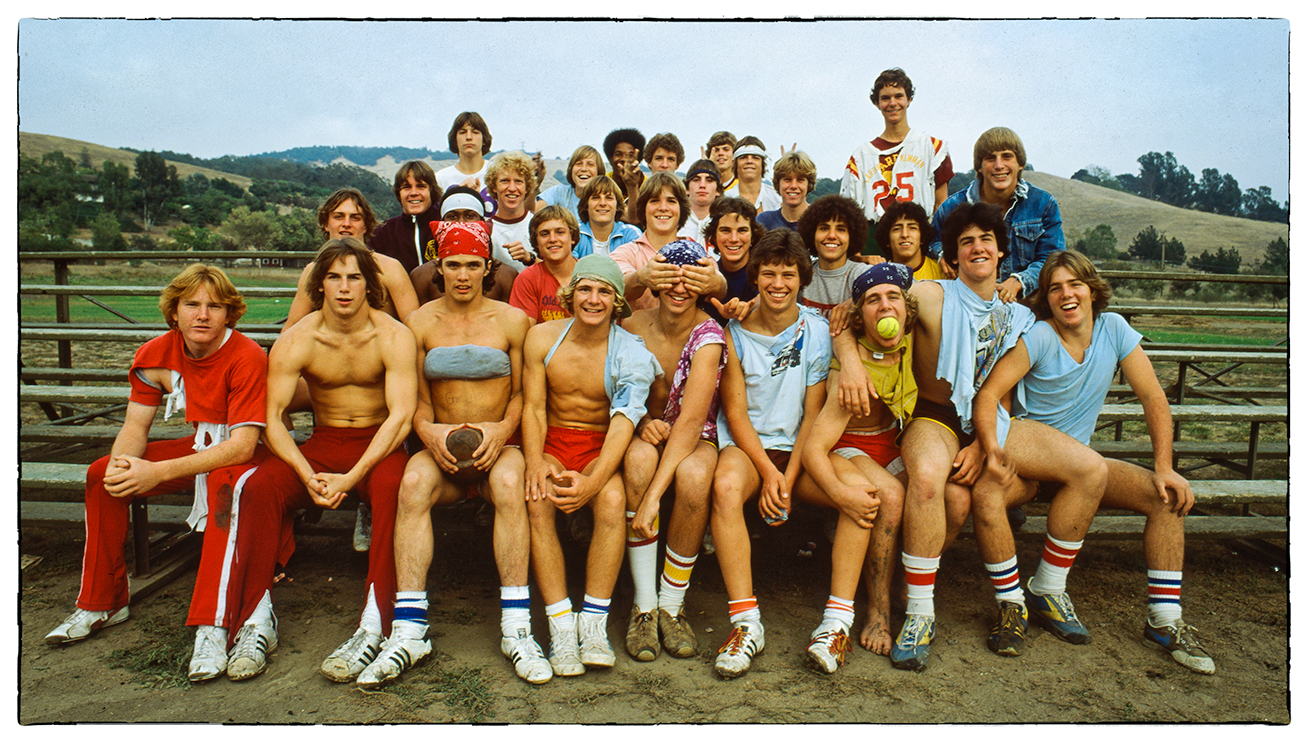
(462, 201)
(750, 149)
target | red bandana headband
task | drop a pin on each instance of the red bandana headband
(461, 238)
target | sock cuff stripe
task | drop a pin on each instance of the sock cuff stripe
(635, 540)
(515, 603)
(410, 614)
(679, 560)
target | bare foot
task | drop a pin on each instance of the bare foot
(876, 634)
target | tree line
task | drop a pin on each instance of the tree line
(1161, 178)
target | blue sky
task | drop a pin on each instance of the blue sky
(1079, 92)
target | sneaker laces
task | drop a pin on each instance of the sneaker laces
(735, 643)
(247, 641)
(914, 629)
(1064, 604)
(1010, 617)
(837, 643)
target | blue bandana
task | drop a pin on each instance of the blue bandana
(882, 273)
(683, 252)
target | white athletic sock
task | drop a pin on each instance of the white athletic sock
(839, 613)
(920, 574)
(410, 615)
(371, 619)
(643, 555)
(675, 581)
(263, 612)
(515, 610)
(1055, 563)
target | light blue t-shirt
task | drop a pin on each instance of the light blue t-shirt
(563, 195)
(1064, 394)
(778, 372)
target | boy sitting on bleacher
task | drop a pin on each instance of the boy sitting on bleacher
(1064, 366)
(217, 377)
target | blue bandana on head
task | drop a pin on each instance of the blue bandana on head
(882, 273)
(683, 252)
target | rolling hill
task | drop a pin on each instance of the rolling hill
(37, 145)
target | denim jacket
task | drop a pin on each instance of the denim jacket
(1035, 229)
(622, 234)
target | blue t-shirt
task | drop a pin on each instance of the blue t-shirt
(563, 195)
(773, 219)
(1064, 394)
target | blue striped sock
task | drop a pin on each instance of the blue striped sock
(410, 615)
(593, 605)
(515, 610)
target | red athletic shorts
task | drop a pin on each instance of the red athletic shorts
(575, 448)
(879, 446)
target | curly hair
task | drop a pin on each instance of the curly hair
(1083, 270)
(903, 210)
(893, 76)
(568, 291)
(339, 250)
(189, 282)
(669, 142)
(618, 136)
(827, 208)
(515, 161)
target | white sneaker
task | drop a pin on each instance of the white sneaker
(398, 654)
(81, 624)
(249, 657)
(737, 653)
(348, 661)
(528, 659)
(565, 656)
(827, 648)
(209, 658)
(593, 637)
(362, 528)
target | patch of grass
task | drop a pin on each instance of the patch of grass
(1159, 335)
(161, 659)
(464, 690)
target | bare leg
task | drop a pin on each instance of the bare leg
(546, 551)
(879, 566)
(1131, 488)
(422, 487)
(735, 483)
(605, 557)
(512, 538)
(690, 510)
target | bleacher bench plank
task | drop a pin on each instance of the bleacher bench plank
(1192, 449)
(156, 328)
(55, 374)
(71, 395)
(1273, 313)
(1249, 393)
(1196, 527)
(49, 434)
(52, 476)
(1200, 413)
(1260, 355)
(99, 290)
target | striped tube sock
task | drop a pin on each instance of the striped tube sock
(920, 574)
(515, 610)
(744, 610)
(1164, 597)
(643, 556)
(410, 615)
(839, 612)
(675, 580)
(560, 610)
(592, 605)
(371, 619)
(1007, 583)
(1055, 563)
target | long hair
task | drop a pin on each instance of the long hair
(856, 314)
(337, 198)
(652, 187)
(190, 280)
(340, 249)
(1082, 269)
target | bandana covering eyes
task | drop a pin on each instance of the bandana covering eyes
(683, 252)
(882, 273)
(461, 238)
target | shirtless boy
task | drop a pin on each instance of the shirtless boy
(855, 460)
(675, 445)
(358, 362)
(471, 356)
(585, 383)
(780, 355)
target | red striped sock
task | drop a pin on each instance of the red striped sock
(1051, 576)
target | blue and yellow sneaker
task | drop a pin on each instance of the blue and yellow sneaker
(914, 643)
(1055, 613)
(1179, 639)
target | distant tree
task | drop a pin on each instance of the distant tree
(1259, 204)
(1217, 193)
(107, 233)
(1152, 246)
(1224, 261)
(1098, 242)
(296, 230)
(45, 230)
(192, 238)
(142, 242)
(1161, 179)
(155, 182)
(825, 187)
(1129, 182)
(84, 159)
(195, 184)
(961, 181)
(250, 230)
(227, 187)
(114, 186)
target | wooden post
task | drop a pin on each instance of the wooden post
(62, 314)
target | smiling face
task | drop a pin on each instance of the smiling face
(906, 241)
(1071, 300)
(510, 190)
(882, 301)
(778, 286)
(832, 241)
(202, 321)
(601, 207)
(582, 171)
(344, 288)
(554, 240)
(463, 276)
(593, 302)
(624, 154)
(732, 239)
(721, 154)
(415, 196)
(663, 160)
(893, 103)
(1000, 172)
(749, 167)
(794, 190)
(347, 220)
(662, 213)
(978, 254)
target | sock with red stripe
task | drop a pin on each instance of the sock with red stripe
(1164, 597)
(1007, 583)
(1055, 563)
(643, 555)
(839, 613)
(675, 580)
(920, 574)
(744, 610)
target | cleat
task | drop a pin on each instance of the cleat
(249, 657)
(397, 655)
(528, 659)
(913, 645)
(827, 649)
(209, 658)
(593, 637)
(81, 624)
(1008, 636)
(737, 653)
(678, 636)
(1182, 642)
(643, 636)
(565, 656)
(363, 528)
(355, 654)
(1055, 613)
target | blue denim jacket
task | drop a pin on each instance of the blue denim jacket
(1035, 229)
(622, 234)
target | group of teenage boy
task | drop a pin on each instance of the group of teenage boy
(899, 357)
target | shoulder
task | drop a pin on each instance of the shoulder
(542, 334)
